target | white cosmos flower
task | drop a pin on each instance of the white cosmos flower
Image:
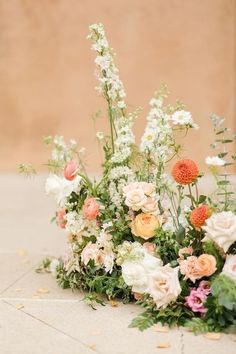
(214, 161)
(182, 118)
(60, 187)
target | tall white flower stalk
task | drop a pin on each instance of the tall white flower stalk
(111, 87)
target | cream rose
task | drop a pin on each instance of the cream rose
(150, 206)
(221, 228)
(135, 275)
(135, 199)
(230, 267)
(145, 225)
(147, 188)
(164, 286)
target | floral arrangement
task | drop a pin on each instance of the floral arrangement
(141, 233)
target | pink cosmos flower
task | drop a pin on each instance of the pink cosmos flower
(70, 170)
(196, 300)
(91, 208)
(60, 218)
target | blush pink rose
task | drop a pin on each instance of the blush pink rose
(90, 252)
(91, 208)
(60, 218)
(70, 170)
(150, 248)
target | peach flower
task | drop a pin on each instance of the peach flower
(60, 218)
(150, 248)
(91, 208)
(145, 225)
(70, 170)
(147, 188)
(184, 251)
(197, 267)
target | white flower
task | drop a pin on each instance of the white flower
(109, 261)
(53, 266)
(221, 228)
(60, 187)
(230, 267)
(135, 275)
(135, 199)
(100, 135)
(214, 161)
(75, 223)
(182, 118)
(164, 286)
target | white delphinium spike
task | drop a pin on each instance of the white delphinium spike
(111, 87)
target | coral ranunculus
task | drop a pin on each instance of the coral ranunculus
(199, 215)
(185, 171)
(91, 209)
(70, 170)
(145, 225)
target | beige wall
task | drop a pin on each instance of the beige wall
(47, 71)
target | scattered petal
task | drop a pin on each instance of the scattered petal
(36, 296)
(163, 345)
(96, 333)
(162, 329)
(113, 303)
(43, 291)
(212, 335)
(25, 261)
(21, 252)
(93, 347)
(18, 290)
(19, 306)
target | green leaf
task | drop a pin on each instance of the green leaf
(222, 154)
(202, 199)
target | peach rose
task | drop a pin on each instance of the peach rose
(197, 267)
(150, 247)
(91, 209)
(145, 225)
(60, 218)
(147, 188)
(70, 170)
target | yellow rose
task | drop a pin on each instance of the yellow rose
(145, 225)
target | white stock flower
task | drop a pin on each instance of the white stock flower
(230, 266)
(60, 187)
(100, 135)
(221, 229)
(164, 286)
(214, 161)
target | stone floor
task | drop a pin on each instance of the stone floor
(37, 317)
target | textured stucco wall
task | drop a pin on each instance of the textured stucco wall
(47, 71)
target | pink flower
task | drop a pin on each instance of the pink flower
(205, 287)
(184, 251)
(91, 209)
(60, 218)
(90, 252)
(150, 247)
(70, 170)
(196, 300)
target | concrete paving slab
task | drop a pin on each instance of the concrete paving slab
(21, 333)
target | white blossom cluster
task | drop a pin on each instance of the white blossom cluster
(158, 138)
(119, 177)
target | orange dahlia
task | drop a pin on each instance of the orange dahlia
(199, 215)
(185, 171)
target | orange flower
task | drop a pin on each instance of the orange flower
(185, 171)
(145, 225)
(199, 215)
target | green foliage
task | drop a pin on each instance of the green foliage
(167, 245)
(198, 325)
(44, 266)
(27, 169)
(224, 289)
(176, 314)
